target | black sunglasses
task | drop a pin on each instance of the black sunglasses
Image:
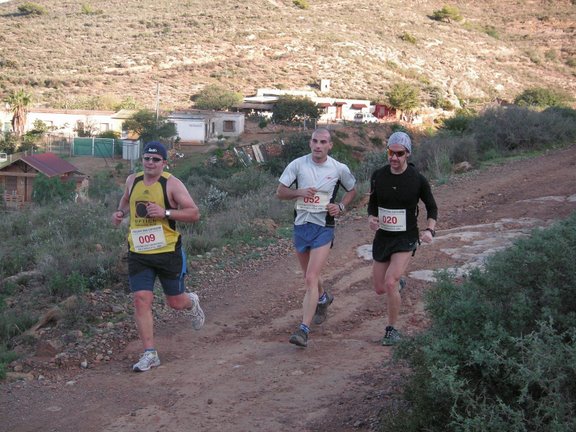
(398, 154)
(153, 159)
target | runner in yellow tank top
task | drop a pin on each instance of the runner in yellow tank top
(155, 201)
(150, 235)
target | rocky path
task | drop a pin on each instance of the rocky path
(240, 374)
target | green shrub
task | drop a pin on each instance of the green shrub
(214, 200)
(102, 185)
(407, 37)
(447, 13)
(52, 189)
(16, 257)
(436, 155)
(491, 31)
(460, 122)
(501, 350)
(62, 286)
(551, 55)
(295, 146)
(542, 98)
(87, 9)
(6, 357)
(534, 56)
(302, 4)
(514, 129)
(30, 8)
(376, 141)
(370, 163)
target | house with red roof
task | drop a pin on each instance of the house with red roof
(17, 177)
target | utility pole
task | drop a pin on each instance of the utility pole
(157, 100)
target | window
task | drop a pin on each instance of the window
(229, 126)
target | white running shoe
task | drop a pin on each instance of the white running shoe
(197, 312)
(148, 360)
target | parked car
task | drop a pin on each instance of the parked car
(364, 117)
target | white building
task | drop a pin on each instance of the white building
(332, 109)
(192, 126)
(198, 127)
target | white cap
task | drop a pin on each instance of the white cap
(401, 138)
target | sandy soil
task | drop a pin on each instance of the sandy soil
(240, 373)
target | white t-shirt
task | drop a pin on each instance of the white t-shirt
(324, 177)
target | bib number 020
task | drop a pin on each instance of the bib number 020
(392, 219)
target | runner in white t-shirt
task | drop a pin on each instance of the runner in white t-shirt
(316, 178)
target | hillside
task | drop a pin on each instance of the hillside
(111, 50)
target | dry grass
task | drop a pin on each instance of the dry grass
(121, 48)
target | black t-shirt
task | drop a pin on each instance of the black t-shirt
(401, 191)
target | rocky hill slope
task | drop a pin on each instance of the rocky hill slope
(165, 51)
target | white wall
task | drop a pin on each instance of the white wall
(190, 129)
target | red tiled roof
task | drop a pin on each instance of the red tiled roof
(49, 164)
(357, 106)
(339, 103)
(323, 105)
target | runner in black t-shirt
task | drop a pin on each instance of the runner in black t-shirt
(395, 191)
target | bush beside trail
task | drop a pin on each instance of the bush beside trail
(500, 353)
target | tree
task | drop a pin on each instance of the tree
(214, 97)
(19, 102)
(8, 143)
(291, 108)
(149, 128)
(404, 97)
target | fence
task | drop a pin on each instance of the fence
(97, 147)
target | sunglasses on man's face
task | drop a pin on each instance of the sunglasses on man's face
(153, 159)
(398, 154)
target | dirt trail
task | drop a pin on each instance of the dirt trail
(240, 374)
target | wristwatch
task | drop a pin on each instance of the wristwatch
(431, 231)
(167, 214)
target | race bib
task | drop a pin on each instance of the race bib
(315, 204)
(392, 220)
(148, 238)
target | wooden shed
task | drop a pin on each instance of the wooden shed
(17, 178)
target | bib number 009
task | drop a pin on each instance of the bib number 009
(148, 238)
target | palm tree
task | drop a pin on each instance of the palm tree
(19, 102)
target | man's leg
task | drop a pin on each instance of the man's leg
(396, 268)
(184, 300)
(143, 317)
(179, 302)
(312, 263)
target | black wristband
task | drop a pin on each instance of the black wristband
(121, 211)
(431, 231)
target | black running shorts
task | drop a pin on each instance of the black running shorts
(384, 247)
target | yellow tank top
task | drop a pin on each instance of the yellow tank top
(150, 235)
